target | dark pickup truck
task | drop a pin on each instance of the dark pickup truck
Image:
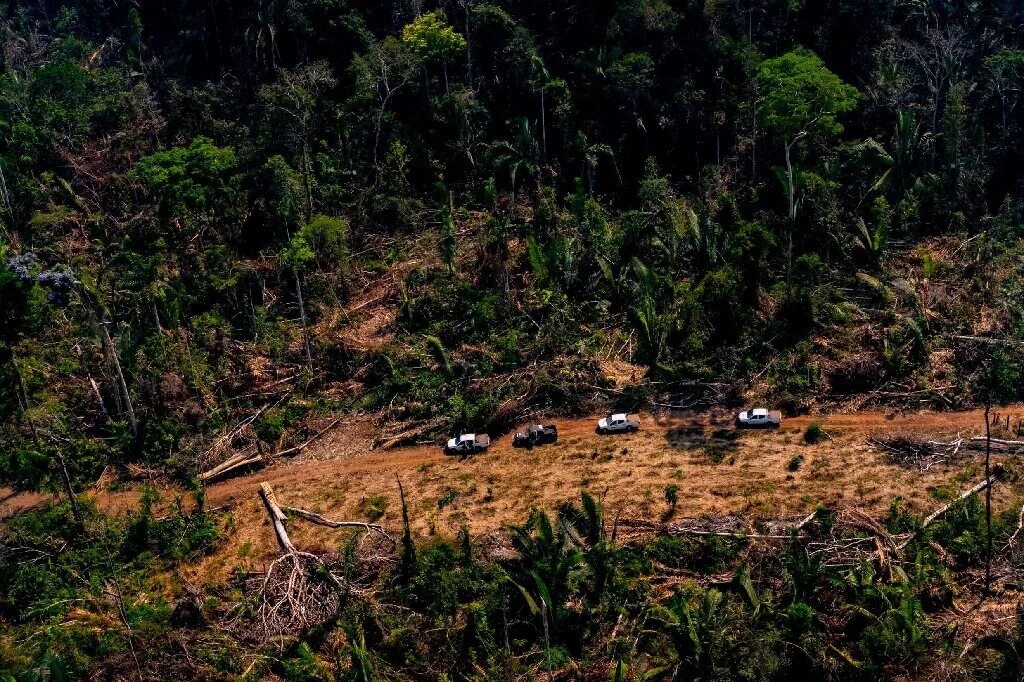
(535, 434)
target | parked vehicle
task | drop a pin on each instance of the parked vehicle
(759, 418)
(535, 434)
(616, 423)
(468, 444)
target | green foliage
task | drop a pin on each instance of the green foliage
(432, 39)
(813, 433)
(188, 180)
(800, 95)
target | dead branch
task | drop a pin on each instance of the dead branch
(232, 464)
(1020, 525)
(404, 435)
(313, 517)
(277, 516)
(314, 438)
(920, 455)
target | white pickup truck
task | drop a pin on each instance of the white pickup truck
(468, 444)
(617, 423)
(759, 418)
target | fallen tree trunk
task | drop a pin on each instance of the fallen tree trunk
(231, 464)
(963, 496)
(244, 460)
(277, 516)
(998, 441)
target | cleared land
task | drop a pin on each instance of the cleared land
(717, 469)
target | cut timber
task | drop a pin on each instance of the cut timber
(963, 496)
(277, 516)
(998, 441)
(313, 517)
(244, 460)
(231, 464)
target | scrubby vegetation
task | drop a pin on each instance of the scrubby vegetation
(567, 596)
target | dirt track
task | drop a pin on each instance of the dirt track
(717, 470)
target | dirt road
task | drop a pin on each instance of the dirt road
(717, 470)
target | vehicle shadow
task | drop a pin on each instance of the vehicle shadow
(714, 445)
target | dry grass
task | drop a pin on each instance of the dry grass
(718, 471)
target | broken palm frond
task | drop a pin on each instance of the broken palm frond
(914, 454)
(300, 589)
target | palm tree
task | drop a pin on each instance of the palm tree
(697, 634)
(519, 156)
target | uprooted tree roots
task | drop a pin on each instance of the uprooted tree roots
(300, 589)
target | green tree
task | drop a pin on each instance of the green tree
(188, 182)
(800, 97)
(432, 39)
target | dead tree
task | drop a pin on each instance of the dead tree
(300, 589)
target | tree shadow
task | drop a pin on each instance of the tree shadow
(715, 445)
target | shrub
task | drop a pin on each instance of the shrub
(703, 554)
(374, 507)
(814, 433)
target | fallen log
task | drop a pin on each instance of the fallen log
(243, 460)
(231, 464)
(277, 516)
(963, 496)
(998, 441)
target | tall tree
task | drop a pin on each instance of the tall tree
(800, 97)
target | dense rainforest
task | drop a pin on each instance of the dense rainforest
(451, 215)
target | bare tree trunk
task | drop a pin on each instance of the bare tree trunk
(305, 178)
(376, 137)
(121, 382)
(791, 216)
(305, 327)
(988, 502)
(543, 129)
(469, 50)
